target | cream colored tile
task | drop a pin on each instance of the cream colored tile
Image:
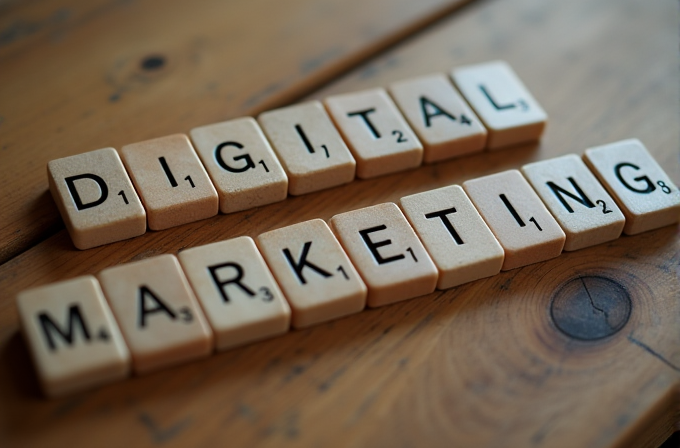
(517, 217)
(95, 198)
(72, 336)
(582, 207)
(386, 251)
(645, 193)
(240, 298)
(171, 181)
(454, 234)
(444, 123)
(241, 164)
(509, 112)
(313, 271)
(157, 312)
(309, 147)
(376, 133)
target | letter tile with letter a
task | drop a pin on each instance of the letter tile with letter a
(95, 198)
(313, 271)
(72, 336)
(645, 193)
(386, 251)
(240, 297)
(157, 312)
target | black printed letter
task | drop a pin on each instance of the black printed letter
(300, 265)
(236, 280)
(373, 246)
(70, 183)
(159, 306)
(74, 317)
(246, 157)
(445, 220)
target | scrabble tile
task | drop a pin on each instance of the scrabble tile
(95, 198)
(171, 181)
(581, 206)
(157, 312)
(376, 133)
(386, 251)
(241, 300)
(444, 123)
(517, 217)
(241, 164)
(645, 193)
(72, 336)
(509, 112)
(313, 271)
(454, 234)
(309, 147)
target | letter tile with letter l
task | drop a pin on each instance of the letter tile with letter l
(157, 312)
(73, 338)
(386, 251)
(579, 203)
(241, 299)
(313, 271)
(171, 181)
(95, 198)
(645, 193)
(517, 217)
(241, 164)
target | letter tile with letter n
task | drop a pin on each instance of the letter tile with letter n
(645, 193)
(157, 312)
(309, 147)
(517, 217)
(579, 203)
(240, 297)
(241, 164)
(95, 198)
(386, 251)
(509, 112)
(313, 271)
(376, 133)
(171, 181)
(72, 336)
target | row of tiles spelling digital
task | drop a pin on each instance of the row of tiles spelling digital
(239, 169)
(164, 311)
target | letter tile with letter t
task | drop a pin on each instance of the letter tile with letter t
(95, 198)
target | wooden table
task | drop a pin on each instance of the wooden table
(483, 364)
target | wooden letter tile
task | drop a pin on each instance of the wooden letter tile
(95, 198)
(509, 112)
(645, 193)
(314, 272)
(375, 132)
(309, 147)
(455, 235)
(241, 300)
(386, 251)
(171, 181)
(582, 207)
(445, 124)
(517, 217)
(157, 312)
(241, 164)
(72, 336)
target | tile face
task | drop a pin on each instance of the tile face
(645, 193)
(72, 335)
(454, 234)
(157, 312)
(376, 133)
(582, 207)
(313, 271)
(95, 198)
(386, 251)
(444, 123)
(241, 300)
(171, 181)
(309, 147)
(509, 112)
(241, 164)
(517, 217)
